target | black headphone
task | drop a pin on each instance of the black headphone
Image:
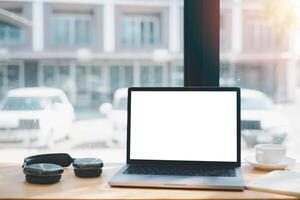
(48, 168)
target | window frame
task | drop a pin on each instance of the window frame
(201, 48)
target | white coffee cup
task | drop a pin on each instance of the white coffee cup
(270, 153)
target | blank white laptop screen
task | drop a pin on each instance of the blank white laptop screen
(184, 126)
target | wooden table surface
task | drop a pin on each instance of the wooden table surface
(14, 186)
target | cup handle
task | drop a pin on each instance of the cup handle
(259, 156)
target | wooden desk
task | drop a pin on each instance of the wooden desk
(13, 186)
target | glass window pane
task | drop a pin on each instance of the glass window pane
(72, 29)
(127, 32)
(155, 31)
(83, 30)
(13, 76)
(158, 74)
(10, 34)
(1, 76)
(256, 42)
(145, 76)
(128, 76)
(81, 83)
(139, 30)
(115, 80)
(177, 80)
(64, 78)
(2, 33)
(96, 85)
(14, 34)
(3, 88)
(61, 28)
(48, 75)
(146, 33)
(81, 54)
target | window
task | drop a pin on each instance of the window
(225, 30)
(121, 77)
(115, 80)
(81, 79)
(129, 76)
(259, 59)
(1, 76)
(151, 76)
(96, 84)
(9, 76)
(177, 75)
(48, 72)
(141, 30)
(72, 29)
(63, 78)
(79, 57)
(262, 64)
(259, 34)
(1, 79)
(10, 34)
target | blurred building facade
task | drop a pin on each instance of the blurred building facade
(89, 48)
(253, 54)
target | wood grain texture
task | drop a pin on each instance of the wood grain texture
(14, 186)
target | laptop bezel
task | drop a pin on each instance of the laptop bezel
(213, 164)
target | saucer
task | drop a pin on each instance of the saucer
(284, 164)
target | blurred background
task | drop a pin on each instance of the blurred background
(65, 66)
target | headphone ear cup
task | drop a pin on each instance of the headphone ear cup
(88, 163)
(42, 179)
(87, 173)
(88, 167)
(43, 173)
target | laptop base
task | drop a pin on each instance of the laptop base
(122, 179)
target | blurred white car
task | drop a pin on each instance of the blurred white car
(261, 120)
(116, 114)
(35, 117)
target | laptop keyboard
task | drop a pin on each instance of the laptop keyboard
(179, 171)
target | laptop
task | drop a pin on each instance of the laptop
(182, 138)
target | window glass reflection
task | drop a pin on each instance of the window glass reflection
(83, 57)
